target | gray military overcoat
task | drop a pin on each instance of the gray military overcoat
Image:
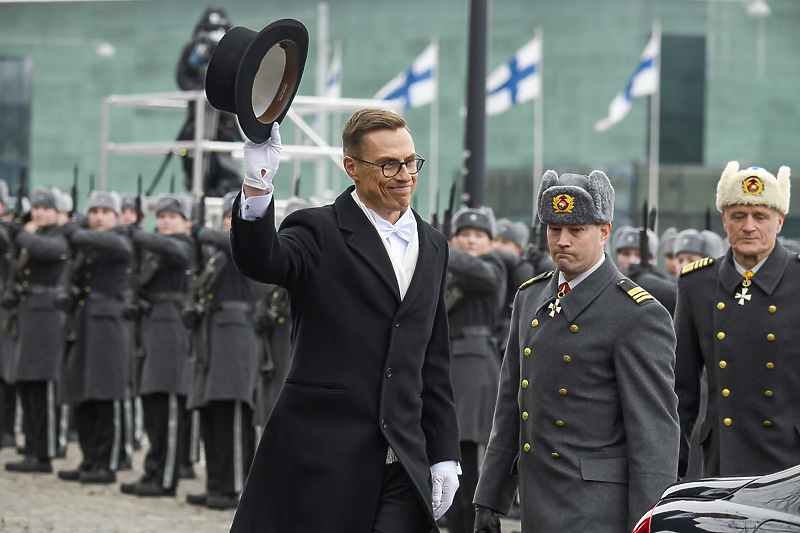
(586, 418)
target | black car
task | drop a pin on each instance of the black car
(756, 504)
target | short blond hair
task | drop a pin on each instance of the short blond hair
(365, 121)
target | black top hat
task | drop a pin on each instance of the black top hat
(256, 76)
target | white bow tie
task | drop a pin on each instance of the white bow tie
(404, 228)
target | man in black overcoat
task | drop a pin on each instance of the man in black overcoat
(363, 437)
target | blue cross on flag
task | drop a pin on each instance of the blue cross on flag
(333, 81)
(516, 81)
(644, 81)
(416, 86)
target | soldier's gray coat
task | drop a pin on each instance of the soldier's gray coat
(586, 419)
(97, 363)
(277, 339)
(750, 353)
(39, 348)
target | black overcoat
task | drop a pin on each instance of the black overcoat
(368, 370)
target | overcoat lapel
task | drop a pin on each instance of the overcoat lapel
(361, 236)
(581, 296)
(766, 278)
(428, 251)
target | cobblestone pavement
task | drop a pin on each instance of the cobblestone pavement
(41, 503)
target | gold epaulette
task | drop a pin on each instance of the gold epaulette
(700, 263)
(540, 277)
(638, 294)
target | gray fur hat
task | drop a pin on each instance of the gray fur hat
(174, 203)
(628, 237)
(108, 200)
(128, 202)
(480, 219)
(668, 241)
(4, 192)
(715, 246)
(44, 197)
(692, 241)
(516, 232)
(575, 199)
(63, 200)
(227, 202)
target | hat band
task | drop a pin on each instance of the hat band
(279, 98)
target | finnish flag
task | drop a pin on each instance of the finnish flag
(516, 81)
(333, 81)
(644, 81)
(416, 86)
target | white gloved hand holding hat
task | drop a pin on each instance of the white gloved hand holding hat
(261, 161)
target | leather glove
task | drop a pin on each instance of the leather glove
(132, 311)
(445, 485)
(486, 520)
(262, 157)
(69, 229)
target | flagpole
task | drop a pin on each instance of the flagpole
(538, 126)
(655, 117)
(323, 47)
(434, 139)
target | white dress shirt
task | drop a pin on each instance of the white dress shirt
(577, 279)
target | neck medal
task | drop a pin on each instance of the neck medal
(743, 296)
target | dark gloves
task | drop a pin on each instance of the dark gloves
(263, 321)
(486, 520)
(13, 228)
(132, 229)
(191, 316)
(69, 229)
(197, 229)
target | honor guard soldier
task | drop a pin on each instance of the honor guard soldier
(586, 418)
(667, 247)
(164, 382)
(737, 318)
(39, 344)
(627, 247)
(476, 292)
(225, 350)
(8, 395)
(96, 367)
(510, 242)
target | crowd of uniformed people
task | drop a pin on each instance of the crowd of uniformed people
(111, 332)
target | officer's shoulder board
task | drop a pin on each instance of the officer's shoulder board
(700, 263)
(638, 294)
(540, 277)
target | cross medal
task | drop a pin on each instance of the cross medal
(743, 296)
(554, 308)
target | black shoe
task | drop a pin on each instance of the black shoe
(31, 464)
(125, 464)
(197, 499)
(128, 488)
(186, 472)
(101, 476)
(152, 489)
(21, 450)
(222, 501)
(70, 475)
(8, 441)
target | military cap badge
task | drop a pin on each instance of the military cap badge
(563, 203)
(753, 185)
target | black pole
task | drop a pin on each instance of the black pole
(475, 136)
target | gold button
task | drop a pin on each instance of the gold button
(210, 296)
(562, 392)
(27, 271)
(768, 393)
(527, 447)
(88, 260)
(535, 322)
(23, 297)
(772, 308)
(560, 423)
(88, 289)
(726, 392)
(770, 337)
(721, 335)
(202, 300)
(24, 251)
(524, 383)
(721, 306)
(574, 328)
(727, 421)
(767, 423)
(527, 352)
(88, 275)
(524, 415)
(554, 454)
(770, 366)
(723, 364)
(81, 303)
(24, 283)
(567, 359)
(281, 320)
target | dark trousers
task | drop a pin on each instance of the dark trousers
(190, 440)
(461, 516)
(126, 450)
(399, 507)
(8, 407)
(99, 426)
(163, 423)
(40, 418)
(229, 441)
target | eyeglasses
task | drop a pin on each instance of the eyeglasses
(391, 169)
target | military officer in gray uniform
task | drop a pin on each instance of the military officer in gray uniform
(225, 372)
(97, 362)
(36, 365)
(476, 291)
(164, 382)
(586, 418)
(737, 318)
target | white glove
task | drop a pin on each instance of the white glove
(261, 160)
(445, 485)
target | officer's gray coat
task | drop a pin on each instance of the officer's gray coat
(750, 352)
(586, 419)
(227, 367)
(475, 358)
(97, 363)
(166, 366)
(39, 347)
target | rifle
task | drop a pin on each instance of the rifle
(67, 292)
(644, 240)
(172, 184)
(135, 306)
(91, 184)
(194, 310)
(435, 214)
(16, 258)
(447, 221)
